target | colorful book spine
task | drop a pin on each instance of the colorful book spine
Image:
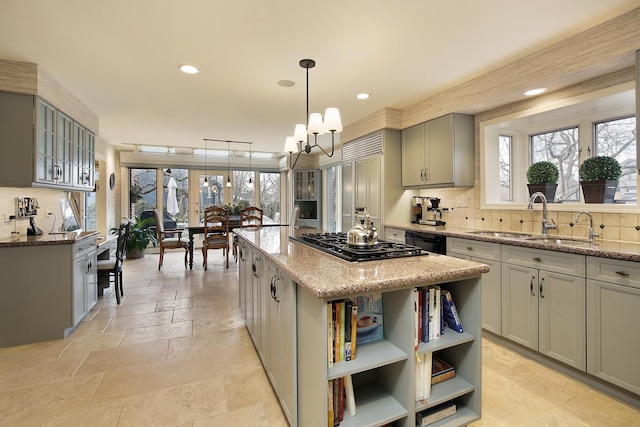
(342, 330)
(451, 316)
(416, 318)
(354, 327)
(336, 330)
(330, 334)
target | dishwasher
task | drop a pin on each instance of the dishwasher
(428, 241)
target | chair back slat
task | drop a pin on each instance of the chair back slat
(251, 217)
(216, 226)
(123, 236)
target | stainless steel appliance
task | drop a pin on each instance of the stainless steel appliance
(337, 244)
(426, 210)
(427, 241)
(363, 234)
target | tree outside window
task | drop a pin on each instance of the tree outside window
(270, 194)
(560, 147)
(617, 139)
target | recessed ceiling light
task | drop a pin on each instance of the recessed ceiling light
(363, 96)
(532, 92)
(286, 83)
(189, 69)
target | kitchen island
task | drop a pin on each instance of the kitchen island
(48, 285)
(285, 290)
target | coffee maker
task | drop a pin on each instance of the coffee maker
(418, 206)
(426, 210)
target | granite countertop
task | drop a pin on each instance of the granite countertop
(45, 239)
(327, 276)
(612, 249)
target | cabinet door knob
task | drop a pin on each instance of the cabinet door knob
(622, 273)
(537, 259)
(469, 248)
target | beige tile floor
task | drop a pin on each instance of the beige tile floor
(176, 353)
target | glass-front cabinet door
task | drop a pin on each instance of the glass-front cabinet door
(46, 169)
(64, 149)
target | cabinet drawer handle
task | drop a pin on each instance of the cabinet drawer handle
(537, 259)
(254, 267)
(622, 273)
(469, 248)
(541, 282)
(531, 286)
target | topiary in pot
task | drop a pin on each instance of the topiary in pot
(599, 179)
(543, 177)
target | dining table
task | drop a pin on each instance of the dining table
(234, 222)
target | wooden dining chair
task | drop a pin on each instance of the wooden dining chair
(112, 267)
(216, 232)
(169, 239)
(250, 217)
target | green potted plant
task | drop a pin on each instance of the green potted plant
(599, 179)
(543, 177)
(141, 234)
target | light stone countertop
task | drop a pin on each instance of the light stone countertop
(612, 249)
(46, 239)
(327, 276)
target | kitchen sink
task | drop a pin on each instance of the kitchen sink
(502, 234)
(578, 243)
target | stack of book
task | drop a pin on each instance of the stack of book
(341, 399)
(430, 370)
(351, 323)
(433, 415)
(434, 308)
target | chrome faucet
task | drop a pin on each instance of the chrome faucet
(545, 223)
(592, 234)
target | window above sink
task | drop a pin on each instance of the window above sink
(564, 131)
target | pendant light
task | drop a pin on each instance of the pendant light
(250, 169)
(315, 126)
(206, 181)
(228, 168)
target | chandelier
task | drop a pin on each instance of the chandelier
(316, 126)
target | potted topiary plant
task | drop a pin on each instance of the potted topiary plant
(599, 179)
(141, 234)
(543, 177)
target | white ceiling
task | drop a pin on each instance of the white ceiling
(121, 57)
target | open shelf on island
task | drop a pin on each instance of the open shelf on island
(374, 407)
(450, 338)
(368, 356)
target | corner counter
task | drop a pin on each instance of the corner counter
(49, 283)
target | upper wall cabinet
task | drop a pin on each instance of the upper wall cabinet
(43, 146)
(439, 153)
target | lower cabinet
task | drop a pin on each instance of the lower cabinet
(281, 360)
(268, 305)
(85, 279)
(544, 309)
(613, 343)
(489, 254)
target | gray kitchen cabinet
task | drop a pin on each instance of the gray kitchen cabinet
(281, 363)
(613, 342)
(307, 195)
(46, 290)
(490, 254)
(543, 302)
(370, 178)
(43, 141)
(367, 186)
(394, 235)
(439, 153)
(268, 305)
(85, 278)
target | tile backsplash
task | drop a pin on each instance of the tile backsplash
(611, 226)
(49, 201)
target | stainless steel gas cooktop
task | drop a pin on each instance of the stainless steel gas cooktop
(336, 244)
